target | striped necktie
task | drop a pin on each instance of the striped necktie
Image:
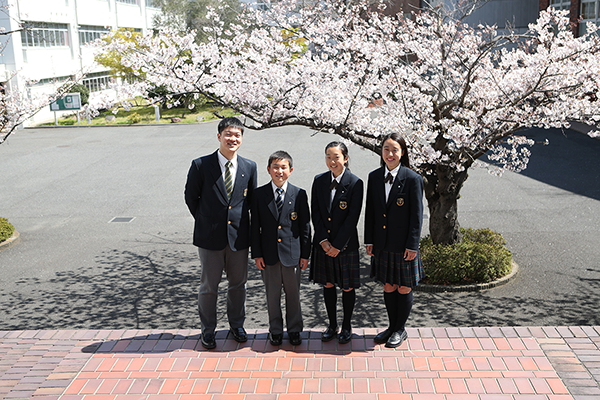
(228, 179)
(279, 200)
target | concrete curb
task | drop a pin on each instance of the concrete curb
(14, 239)
(470, 288)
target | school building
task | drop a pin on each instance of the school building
(53, 46)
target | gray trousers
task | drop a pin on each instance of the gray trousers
(275, 277)
(235, 265)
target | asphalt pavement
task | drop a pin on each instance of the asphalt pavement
(76, 268)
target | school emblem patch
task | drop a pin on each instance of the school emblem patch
(294, 216)
(400, 201)
(245, 192)
(343, 205)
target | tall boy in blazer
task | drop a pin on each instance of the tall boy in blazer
(281, 245)
(218, 194)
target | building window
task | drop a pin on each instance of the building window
(41, 34)
(589, 13)
(561, 4)
(89, 33)
(152, 3)
(135, 2)
(97, 81)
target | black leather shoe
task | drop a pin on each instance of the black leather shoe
(295, 338)
(276, 339)
(239, 334)
(396, 339)
(208, 341)
(382, 337)
(329, 334)
(345, 336)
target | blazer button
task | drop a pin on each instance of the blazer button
(229, 222)
(384, 227)
(328, 231)
(328, 219)
(230, 207)
(279, 240)
(279, 227)
(384, 216)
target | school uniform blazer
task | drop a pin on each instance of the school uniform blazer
(338, 224)
(218, 221)
(284, 237)
(394, 225)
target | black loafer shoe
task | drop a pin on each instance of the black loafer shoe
(345, 336)
(396, 339)
(276, 339)
(239, 334)
(382, 337)
(208, 341)
(329, 334)
(295, 338)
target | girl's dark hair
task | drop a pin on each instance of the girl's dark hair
(343, 148)
(398, 138)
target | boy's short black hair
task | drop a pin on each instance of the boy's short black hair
(232, 122)
(280, 155)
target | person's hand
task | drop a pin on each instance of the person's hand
(410, 255)
(370, 250)
(303, 263)
(333, 252)
(260, 263)
(326, 246)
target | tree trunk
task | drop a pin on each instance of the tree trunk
(442, 188)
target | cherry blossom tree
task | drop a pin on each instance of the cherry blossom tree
(457, 92)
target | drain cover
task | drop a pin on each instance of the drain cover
(122, 219)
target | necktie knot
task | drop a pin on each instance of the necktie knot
(389, 178)
(334, 184)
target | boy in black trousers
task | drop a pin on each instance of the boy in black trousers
(281, 245)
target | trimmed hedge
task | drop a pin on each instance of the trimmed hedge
(6, 229)
(481, 257)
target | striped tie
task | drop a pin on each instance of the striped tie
(228, 179)
(279, 200)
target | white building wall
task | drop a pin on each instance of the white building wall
(47, 63)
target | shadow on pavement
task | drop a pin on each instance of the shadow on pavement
(134, 289)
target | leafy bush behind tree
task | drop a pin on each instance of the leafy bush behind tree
(6, 229)
(481, 257)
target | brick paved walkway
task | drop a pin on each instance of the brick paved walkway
(554, 363)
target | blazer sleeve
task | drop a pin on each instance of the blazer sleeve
(348, 227)
(255, 228)
(369, 214)
(304, 217)
(317, 219)
(416, 214)
(193, 187)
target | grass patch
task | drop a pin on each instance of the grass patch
(6, 229)
(481, 257)
(142, 113)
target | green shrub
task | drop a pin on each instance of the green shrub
(481, 257)
(83, 91)
(6, 229)
(135, 118)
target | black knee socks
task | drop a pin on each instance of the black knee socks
(348, 300)
(330, 297)
(391, 305)
(404, 304)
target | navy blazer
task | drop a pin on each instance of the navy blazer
(394, 225)
(218, 221)
(284, 237)
(338, 224)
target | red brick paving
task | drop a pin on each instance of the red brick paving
(536, 363)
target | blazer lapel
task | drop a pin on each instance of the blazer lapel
(240, 185)
(342, 187)
(215, 171)
(271, 205)
(379, 186)
(397, 186)
(288, 201)
(325, 192)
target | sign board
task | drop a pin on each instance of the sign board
(71, 101)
